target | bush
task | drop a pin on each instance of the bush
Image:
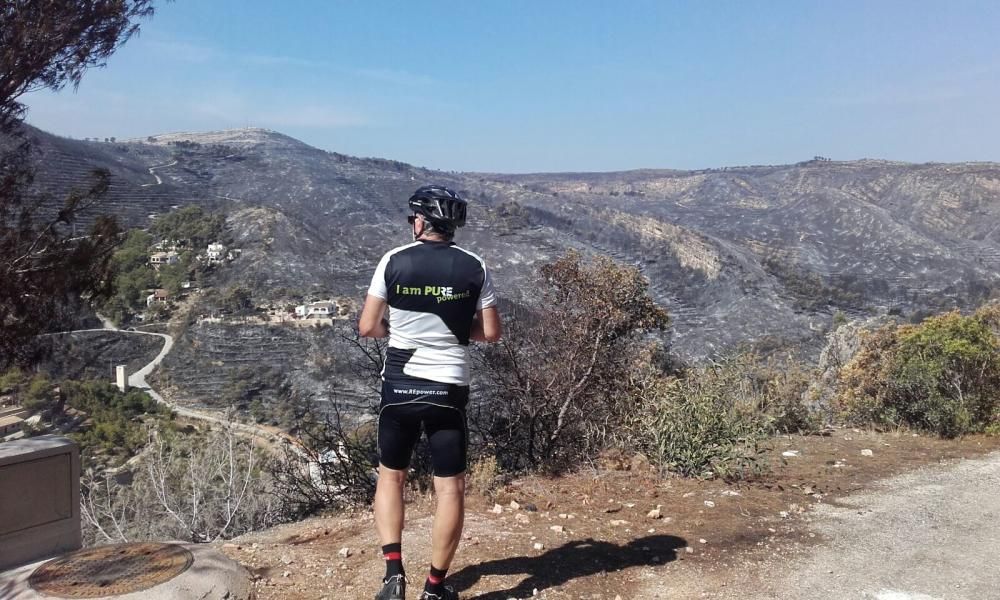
(485, 476)
(117, 429)
(11, 380)
(787, 396)
(940, 376)
(332, 465)
(710, 423)
(198, 488)
(38, 393)
(551, 386)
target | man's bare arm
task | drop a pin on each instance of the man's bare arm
(486, 326)
(372, 323)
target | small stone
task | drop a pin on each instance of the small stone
(286, 573)
(522, 518)
(709, 504)
(790, 453)
(514, 505)
(530, 507)
(497, 509)
(655, 513)
(618, 522)
(344, 552)
(702, 541)
(689, 549)
(538, 546)
(285, 559)
(867, 452)
(558, 528)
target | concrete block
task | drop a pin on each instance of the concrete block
(121, 378)
(39, 499)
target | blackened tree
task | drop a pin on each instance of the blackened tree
(553, 386)
(44, 267)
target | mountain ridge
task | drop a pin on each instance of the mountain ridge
(737, 254)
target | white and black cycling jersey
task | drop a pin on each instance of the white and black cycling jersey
(433, 290)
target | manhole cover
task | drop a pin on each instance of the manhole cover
(111, 570)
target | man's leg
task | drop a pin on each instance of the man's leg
(449, 516)
(389, 509)
(397, 434)
(446, 434)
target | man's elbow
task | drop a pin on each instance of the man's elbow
(492, 335)
(367, 330)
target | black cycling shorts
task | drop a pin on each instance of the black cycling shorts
(438, 408)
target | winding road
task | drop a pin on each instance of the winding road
(152, 171)
(138, 381)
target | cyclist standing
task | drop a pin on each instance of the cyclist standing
(439, 297)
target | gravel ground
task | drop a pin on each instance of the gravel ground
(931, 534)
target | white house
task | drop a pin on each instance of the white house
(158, 259)
(323, 308)
(216, 252)
(159, 296)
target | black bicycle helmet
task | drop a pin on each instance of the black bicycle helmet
(444, 208)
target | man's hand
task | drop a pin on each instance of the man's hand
(372, 322)
(486, 326)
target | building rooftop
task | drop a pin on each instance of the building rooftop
(8, 421)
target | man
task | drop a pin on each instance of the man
(439, 297)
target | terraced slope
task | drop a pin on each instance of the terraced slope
(760, 254)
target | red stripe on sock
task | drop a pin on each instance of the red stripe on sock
(393, 555)
(434, 580)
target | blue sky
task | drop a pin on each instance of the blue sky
(519, 86)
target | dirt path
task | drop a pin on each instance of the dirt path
(774, 538)
(152, 171)
(927, 535)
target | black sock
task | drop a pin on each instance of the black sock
(435, 581)
(393, 554)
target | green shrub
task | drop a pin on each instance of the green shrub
(942, 375)
(706, 424)
(785, 398)
(10, 380)
(37, 395)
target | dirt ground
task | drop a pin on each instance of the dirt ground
(591, 534)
